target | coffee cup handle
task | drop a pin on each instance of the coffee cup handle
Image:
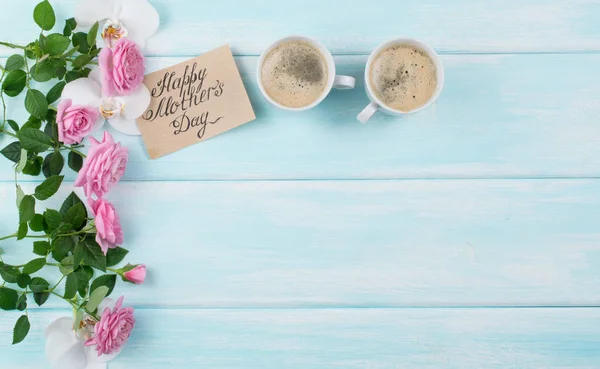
(344, 82)
(367, 113)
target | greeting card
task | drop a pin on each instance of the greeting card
(194, 101)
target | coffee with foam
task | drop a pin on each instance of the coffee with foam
(294, 74)
(403, 77)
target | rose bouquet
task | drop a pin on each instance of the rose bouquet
(81, 239)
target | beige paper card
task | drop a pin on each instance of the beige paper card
(194, 101)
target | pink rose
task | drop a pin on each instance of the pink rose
(122, 67)
(134, 273)
(75, 121)
(109, 233)
(113, 330)
(103, 167)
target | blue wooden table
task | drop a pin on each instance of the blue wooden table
(465, 236)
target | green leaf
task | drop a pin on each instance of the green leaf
(12, 152)
(95, 51)
(71, 286)
(21, 329)
(81, 61)
(55, 44)
(36, 104)
(9, 273)
(43, 71)
(22, 231)
(14, 62)
(23, 280)
(46, 166)
(72, 75)
(37, 223)
(57, 162)
(33, 50)
(20, 195)
(51, 130)
(93, 34)
(40, 298)
(70, 25)
(96, 298)
(27, 209)
(44, 16)
(80, 42)
(53, 219)
(108, 280)
(8, 298)
(48, 188)
(34, 140)
(22, 302)
(22, 161)
(76, 216)
(14, 125)
(38, 284)
(55, 92)
(61, 247)
(14, 82)
(75, 161)
(32, 122)
(67, 265)
(34, 265)
(69, 202)
(51, 117)
(83, 281)
(41, 248)
(115, 256)
(33, 167)
(60, 74)
(88, 271)
(90, 253)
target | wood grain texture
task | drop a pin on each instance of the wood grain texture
(345, 338)
(191, 27)
(311, 241)
(355, 243)
(499, 116)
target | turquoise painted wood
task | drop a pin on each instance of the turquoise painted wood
(356, 243)
(355, 26)
(348, 338)
(465, 236)
(513, 127)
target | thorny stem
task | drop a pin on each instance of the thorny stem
(70, 148)
(76, 233)
(7, 237)
(3, 108)
(67, 300)
(15, 235)
(76, 151)
(2, 130)
(13, 46)
(3, 102)
(57, 284)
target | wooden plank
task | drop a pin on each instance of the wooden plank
(348, 338)
(190, 27)
(499, 116)
(354, 243)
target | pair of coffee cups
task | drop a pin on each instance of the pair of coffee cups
(347, 82)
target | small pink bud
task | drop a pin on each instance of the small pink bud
(136, 275)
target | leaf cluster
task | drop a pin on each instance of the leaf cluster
(65, 238)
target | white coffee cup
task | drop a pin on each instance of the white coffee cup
(334, 81)
(376, 104)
